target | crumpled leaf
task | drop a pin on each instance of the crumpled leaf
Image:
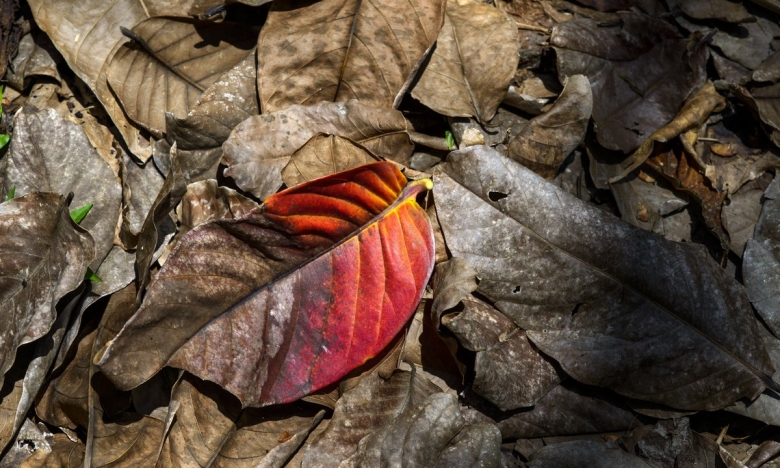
(206, 201)
(721, 10)
(761, 261)
(211, 430)
(473, 63)
(222, 275)
(32, 59)
(50, 258)
(741, 214)
(584, 454)
(338, 50)
(324, 155)
(87, 41)
(130, 440)
(545, 142)
(577, 290)
(50, 154)
(767, 99)
(673, 443)
(569, 409)
(170, 63)
(431, 433)
(693, 114)
(256, 163)
(640, 72)
(64, 452)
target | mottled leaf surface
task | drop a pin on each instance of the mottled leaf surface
(337, 50)
(473, 63)
(215, 294)
(46, 258)
(324, 155)
(577, 290)
(583, 454)
(256, 163)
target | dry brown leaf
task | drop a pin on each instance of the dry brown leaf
(64, 452)
(473, 63)
(324, 155)
(545, 142)
(338, 50)
(170, 63)
(256, 163)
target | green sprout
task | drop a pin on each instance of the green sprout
(11, 194)
(4, 137)
(80, 213)
(450, 140)
(92, 276)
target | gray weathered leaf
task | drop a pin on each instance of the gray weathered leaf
(722, 10)
(568, 273)
(87, 41)
(640, 71)
(338, 50)
(32, 59)
(50, 258)
(473, 63)
(171, 63)
(584, 454)
(256, 163)
(51, 154)
(761, 267)
(324, 155)
(741, 214)
(545, 142)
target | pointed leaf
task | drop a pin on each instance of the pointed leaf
(337, 50)
(215, 310)
(324, 155)
(473, 63)
(170, 63)
(603, 298)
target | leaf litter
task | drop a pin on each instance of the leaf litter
(220, 228)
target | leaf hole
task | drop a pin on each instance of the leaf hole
(516, 290)
(496, 196)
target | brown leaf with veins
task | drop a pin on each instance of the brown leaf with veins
(256, 164)
(170, 63)
(324, 155)
(473, 63)
(545, 142)
(339, 50)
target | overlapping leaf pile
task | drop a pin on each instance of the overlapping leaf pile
(265, 277)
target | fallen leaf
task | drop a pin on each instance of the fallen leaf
(693, 115)
(33, 59)
(87, 41)
(140, 185)
(50, 260)
(220, 263)
(339, 50)
(131, 440)
(50, 154)
(768, 70)
(256, 163)
(473, 63)
(366, 408)
(545, 142)
(767, 99)
(324, 155)
(721, 10)
(741, 214)
(761, 262)
(640, 72)
(582, 454)
(64, 452)
(170, 63)
(206, 201)
(577, 278)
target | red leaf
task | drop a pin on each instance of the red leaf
(224, 309)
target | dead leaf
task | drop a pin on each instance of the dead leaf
(256, 163)
(50, 154)
(582, 287)
(640, 72)
(339, 50)
(223, 262)
(583, 453)
(768, 70)
(545, 142)
(87, 41)
(761, 262)
(473, 63)
(206, 201)
(64, 452)
(324, 155)
(721, 10)
(34, 58)
(130, 440)
(170, 63)
(50, 260)
(741, 214)
(693, 114)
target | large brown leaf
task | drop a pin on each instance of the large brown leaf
(215, 295)
(87, 40)
(545, 142)
(51, 154)
(640, 71)
(473, 63)
(324, 155)
(46, 258)
(256, 163)
(337, 50)
(605, 299)
(171, 63)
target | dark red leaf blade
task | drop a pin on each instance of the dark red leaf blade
(243, 302)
